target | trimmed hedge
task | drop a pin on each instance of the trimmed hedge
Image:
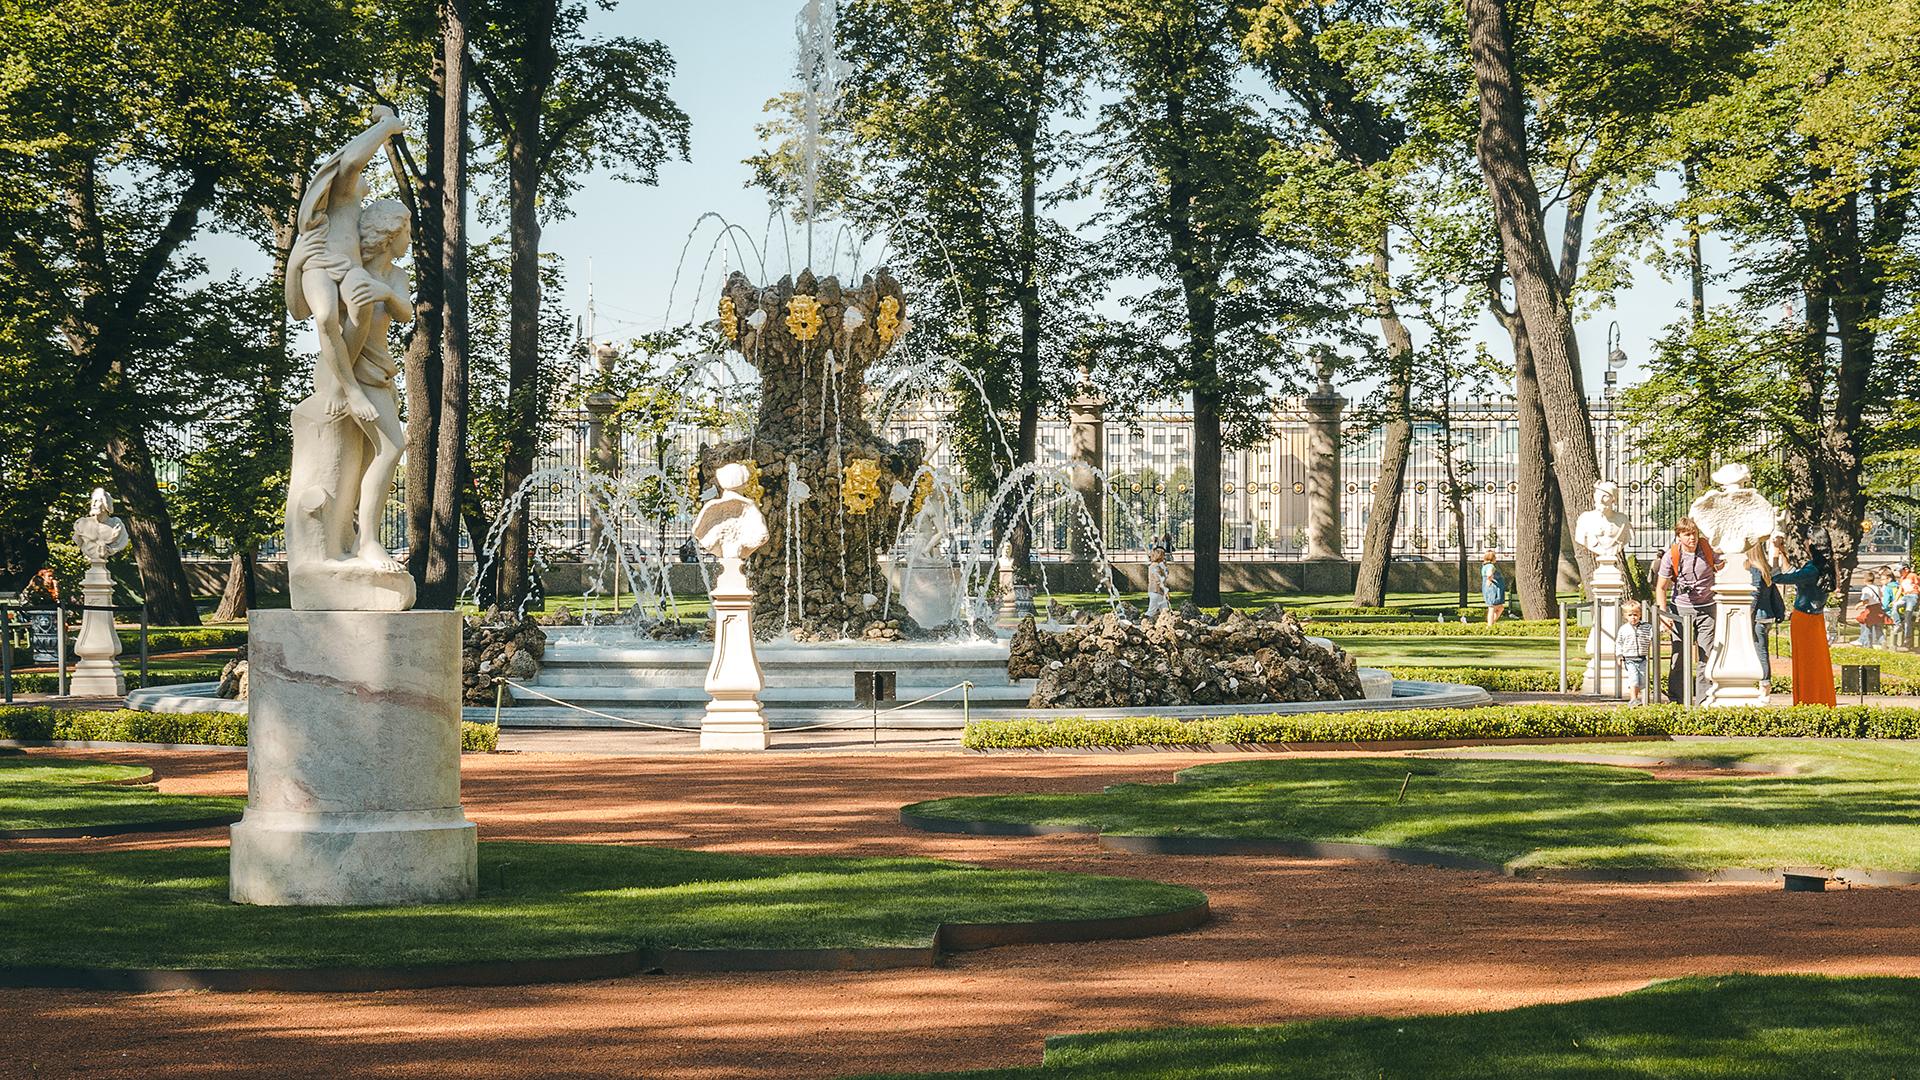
(37, 722)
(48, 682)
(176, 638)
(1514, 680)
(1413, 725)
(1531, 628)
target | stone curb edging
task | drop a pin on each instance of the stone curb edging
(122, 829)
(1326, 849)
(1315, 747)
(950, 937)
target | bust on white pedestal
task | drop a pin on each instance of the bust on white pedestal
(353, 710)
(1736, 520)
(731, 527)
(1603, 531)
(100, 536)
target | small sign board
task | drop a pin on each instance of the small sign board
(43, 635)
(870, 688)
(1860, 678)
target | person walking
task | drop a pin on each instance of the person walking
(1493, 586)
(1684, 592)
(1807, 626)
(1872, 616)
(1909, 605)
(1769, 610)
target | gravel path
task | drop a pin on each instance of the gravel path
(1292, 938)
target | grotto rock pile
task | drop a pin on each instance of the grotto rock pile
(1178, 658)
(498, 644)
(233, 680)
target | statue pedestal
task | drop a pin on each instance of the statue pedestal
(1733, 664)
(734, 720)
(97, 675)
(353, 761)
(1603, 676)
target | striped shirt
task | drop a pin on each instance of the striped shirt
(1635, 640)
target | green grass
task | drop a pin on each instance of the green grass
(1779, 1027)
(50, 793)
(1851, 804)
(169, 909)
(41, 770)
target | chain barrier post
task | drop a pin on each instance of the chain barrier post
(6, 654)
(1563, 647)
(143, 643)
(60, 646)
(1687, 672)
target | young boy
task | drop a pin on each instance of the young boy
(1633, 645)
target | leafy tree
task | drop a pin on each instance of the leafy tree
(1808, 166)
(1226, 306)
(115, 158)
(560, 104)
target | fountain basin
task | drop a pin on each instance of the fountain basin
(645, 683)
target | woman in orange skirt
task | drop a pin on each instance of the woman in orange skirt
(1807, 626)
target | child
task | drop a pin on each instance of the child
(1493, 587)
(1635, 641)
(1873, 612)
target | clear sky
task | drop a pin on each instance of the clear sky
(731, 56)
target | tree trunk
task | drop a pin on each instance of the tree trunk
(442, 586)
(163, 579)
(1541, 302)
(1206, 494)
(1536, 504)
(524, 146)
(423, 347)
(1383, 514)
(237, 597)
(1028, 257)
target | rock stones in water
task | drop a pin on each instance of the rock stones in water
(233, 680)
(1177, 659)
(496, 645)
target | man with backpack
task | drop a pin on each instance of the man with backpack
(1684, 591)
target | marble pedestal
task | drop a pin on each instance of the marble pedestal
(930, 592)
(1733, 664)
(97, 674)
(733, 720)
(1603, 675)
(353, 761)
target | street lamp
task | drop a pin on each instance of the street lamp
(1616, 359)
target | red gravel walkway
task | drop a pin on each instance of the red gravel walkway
(1292, 938)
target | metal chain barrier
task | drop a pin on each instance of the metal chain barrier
(501, 683)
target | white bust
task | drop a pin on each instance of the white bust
(730, 525)
(1603, 529)
(100, 535)
(1735, 519)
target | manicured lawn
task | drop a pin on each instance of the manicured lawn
(1849, 804)
(1386, 651)
(169, 909)
(1782, 1027)
(51, 793)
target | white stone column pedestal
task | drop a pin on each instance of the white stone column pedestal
(1603, 675)
(734, 720)
(1733, 664)
(97, 674)
(353, 761)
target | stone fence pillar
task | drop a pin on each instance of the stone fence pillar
(1324, 408)
(1087, 451)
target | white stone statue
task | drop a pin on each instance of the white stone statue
(933, 524)
(731, 527)
(1736, 521)
(347, 436)
(100, 536)
(1603, 529)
